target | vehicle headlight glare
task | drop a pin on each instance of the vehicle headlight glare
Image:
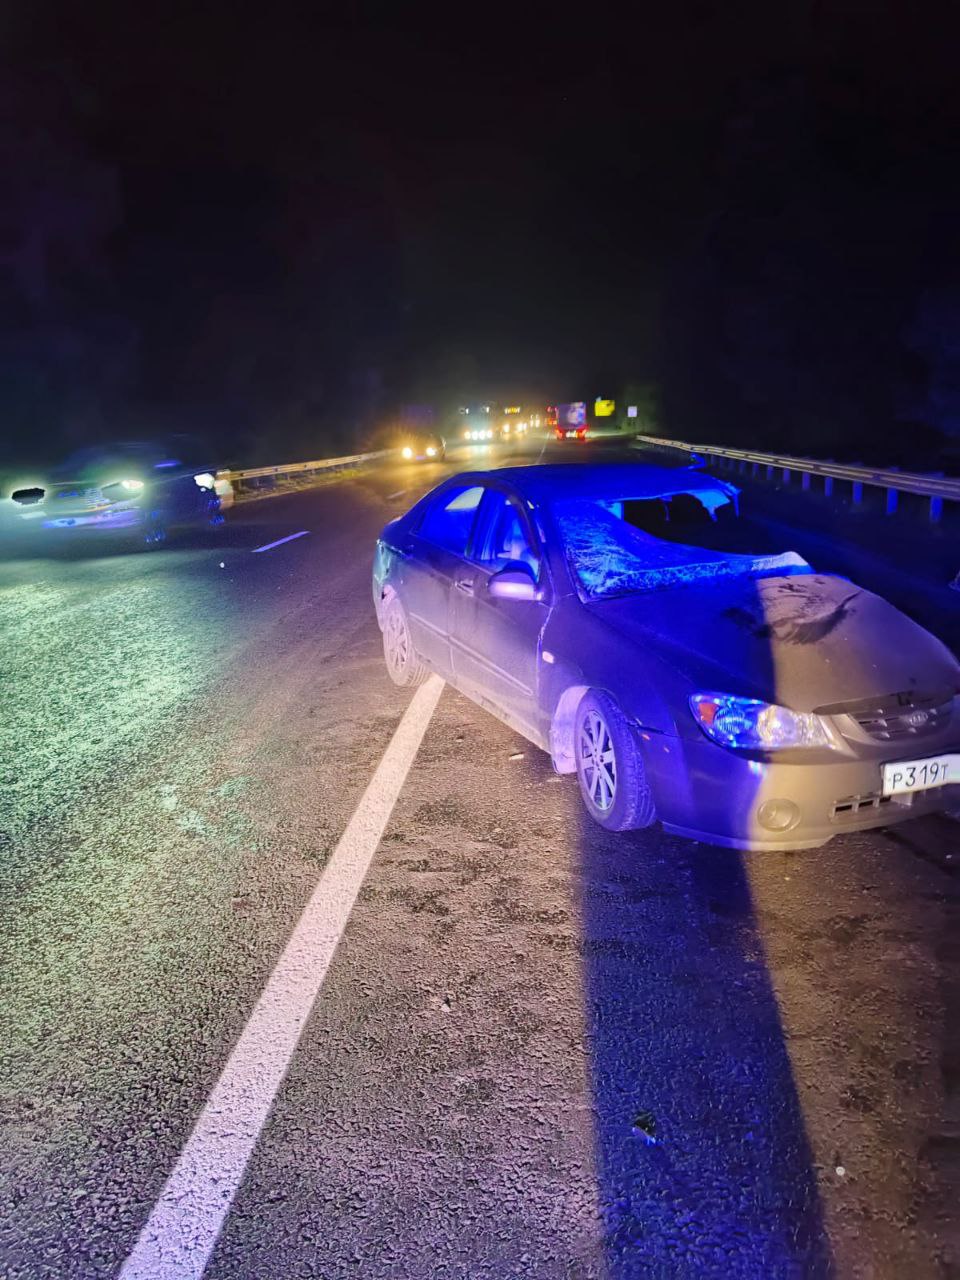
(431, 451)
(751, 725)
(204, 480)
(133, 485)
(407, 451)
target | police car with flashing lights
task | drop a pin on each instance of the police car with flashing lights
(143, 490)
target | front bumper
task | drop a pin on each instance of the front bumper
(92, 521)
(49, 520)
(720, 797)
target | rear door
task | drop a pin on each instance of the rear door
(435, 553)
(495, 642)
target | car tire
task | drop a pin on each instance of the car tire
(403, 662)
(613, 783)
(154, 529)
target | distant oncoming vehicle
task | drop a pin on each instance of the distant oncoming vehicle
(513, 428)
(478, 432)
(139, 488)
(742, 699)
(476, 423)
(516, 421)
(423, 446)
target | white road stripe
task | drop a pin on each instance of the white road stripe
(280, 541)
(182, 1230)
(398, 494)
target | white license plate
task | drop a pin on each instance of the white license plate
(920, 775)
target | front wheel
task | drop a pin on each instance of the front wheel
(613, 783)
(154, 529)
(403, 664)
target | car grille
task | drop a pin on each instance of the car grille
(887, 723)
(79, 497)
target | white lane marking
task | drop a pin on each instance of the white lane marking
(280, 541)
(398, 494)
(179, 1235)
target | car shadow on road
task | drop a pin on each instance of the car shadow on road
(702, 1158)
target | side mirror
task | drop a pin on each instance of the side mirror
(515, 582)
(27, 497)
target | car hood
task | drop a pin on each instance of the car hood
(806, 641)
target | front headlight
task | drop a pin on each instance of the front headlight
(407, 452)
(431, 451)
(121, 490)
(750, 725)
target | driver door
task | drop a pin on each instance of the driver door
(433, 559)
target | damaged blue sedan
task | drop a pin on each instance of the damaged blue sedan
(614, 618)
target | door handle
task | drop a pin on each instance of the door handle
(465, 585)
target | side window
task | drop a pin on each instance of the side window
(448, 521)
(504, 538)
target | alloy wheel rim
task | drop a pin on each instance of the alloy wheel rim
(598, 761)
(398, 644)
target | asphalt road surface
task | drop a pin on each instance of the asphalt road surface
(537, 1050)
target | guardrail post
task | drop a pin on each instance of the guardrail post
(786, 475)
(892, 496)
(857, 492)
(756, 468)
(936, 509)
(769, 473)
(827, 486)
(805, 480)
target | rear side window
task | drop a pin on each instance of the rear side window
(448, 521)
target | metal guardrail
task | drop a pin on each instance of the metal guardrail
(938, 489)
(301, 468)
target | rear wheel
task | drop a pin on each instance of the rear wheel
(403, 664)
(613, 783)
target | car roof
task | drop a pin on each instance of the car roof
(178, 453)
(638, 480)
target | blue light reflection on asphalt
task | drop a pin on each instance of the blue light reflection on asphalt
(703, 1163)
(702, 1158)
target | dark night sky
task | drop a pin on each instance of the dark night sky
(318, 211)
